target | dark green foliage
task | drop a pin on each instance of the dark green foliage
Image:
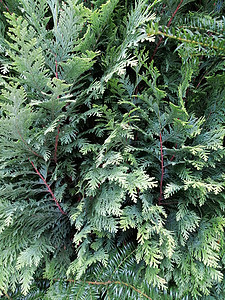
(112, 150)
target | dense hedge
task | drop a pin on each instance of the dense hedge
(111, 149)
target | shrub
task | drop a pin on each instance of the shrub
(111, 150)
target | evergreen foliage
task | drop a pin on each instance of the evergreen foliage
(112, 149)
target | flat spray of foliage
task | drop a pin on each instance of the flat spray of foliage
(112, 162)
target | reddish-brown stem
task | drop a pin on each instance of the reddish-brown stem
(56, 144)
(5, 6)
(163, 9)
(203, 76)
(162, 171)
(136, 137)
(173, 155)
(48, 187)
(7, 296)
(173, 15)
(156, 48)
(170, 21)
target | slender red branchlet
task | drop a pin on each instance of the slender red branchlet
(173, 15)
(170, 21)
(5, 6)
(48, 187)
(200, 81)
(173, 155)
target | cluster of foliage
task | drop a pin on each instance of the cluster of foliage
(112, 149)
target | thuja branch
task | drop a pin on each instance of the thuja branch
(25, 143)
(5, 6)
(56, 68)
(56, 144)
(7, 296)
(48, 187)
(170, 21)
(57, 136)
(162, 170)
(172, 158)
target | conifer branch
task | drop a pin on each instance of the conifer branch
(131, 253)
(162, 171)
(187, 40)
(173, 155)
(121, 200)
(170, 21)
(48, 187)
(56, 69)
(112, 282)
(4, 5)
(5, 293)
(57, 136)
(56, 144)
(200, 80)
(25, 143)
(173, 15)
(199, 29)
